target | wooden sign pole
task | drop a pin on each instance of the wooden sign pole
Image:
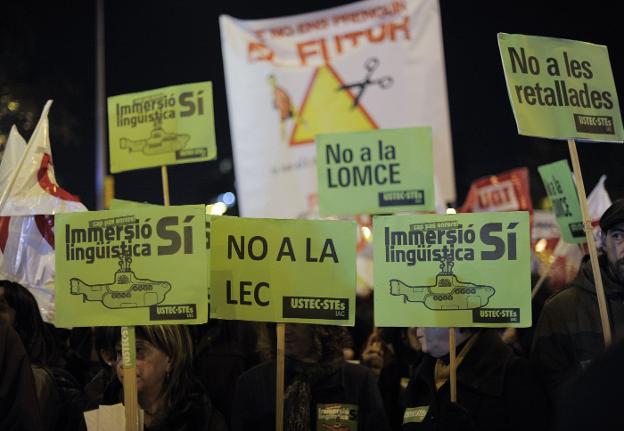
(510, 333)
(131, 403)
(279, 379)
(165, 184)
(452, 357)
(452, 365)
(128, 342)
(541, 280)
(591, 244)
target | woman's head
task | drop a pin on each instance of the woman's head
(104, 344)
(315, 343)
(19, 308)
(164, 360)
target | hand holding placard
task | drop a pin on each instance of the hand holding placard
(576, 101)
(283, 271)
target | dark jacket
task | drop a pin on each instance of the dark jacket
(195, 413)
(61, 399)
(594, 399)
(224, 350)
(48, 398)
(19, 410)
(569, 332)
(254, 402)
(94, 390)
(496, 390)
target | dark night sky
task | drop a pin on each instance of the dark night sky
(47, 51)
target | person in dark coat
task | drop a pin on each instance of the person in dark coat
(392, 354)
(60, 396)
(19, 408)
(168, 392)
(496, 390)
(569, 331)
(225, 349)
(594, 399)
(104, 343)
(196, 413)
(322, 391)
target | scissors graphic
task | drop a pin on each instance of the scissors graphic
(370, 65)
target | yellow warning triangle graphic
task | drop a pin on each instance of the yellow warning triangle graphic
(328, 109)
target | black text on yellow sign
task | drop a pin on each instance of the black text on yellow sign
(257, 248)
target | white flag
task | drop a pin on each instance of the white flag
(31, 188)
(13, 152)
(30, 197)
(598, 202)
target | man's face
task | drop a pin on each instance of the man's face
(299, 342)
(614, 248)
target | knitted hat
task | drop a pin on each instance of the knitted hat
(612, 216)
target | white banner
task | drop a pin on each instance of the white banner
(368, 65)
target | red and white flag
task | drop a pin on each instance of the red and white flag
(30, 197)
(32, 188)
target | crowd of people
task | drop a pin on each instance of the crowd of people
(222, 375)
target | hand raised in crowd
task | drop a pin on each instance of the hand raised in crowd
(377, 353)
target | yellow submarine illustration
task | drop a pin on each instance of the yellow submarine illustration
(126, 290)
(448, 292)
(159, 142)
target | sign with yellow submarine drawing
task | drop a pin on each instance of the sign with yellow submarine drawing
(166, 126)
(459, 270)
(114, 268)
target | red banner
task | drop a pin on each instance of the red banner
(507, 191)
